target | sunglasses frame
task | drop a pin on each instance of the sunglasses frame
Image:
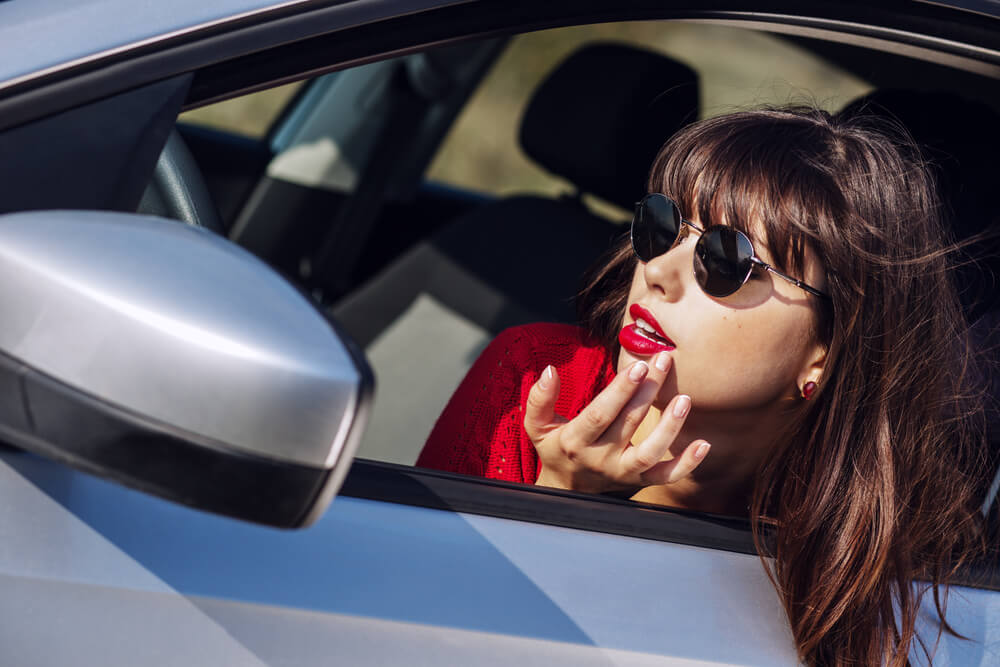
(755, 261)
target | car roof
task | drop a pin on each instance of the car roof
(48, 35)
(41, 35)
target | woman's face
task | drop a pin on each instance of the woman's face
(745, 351)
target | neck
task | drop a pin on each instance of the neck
(723, 482)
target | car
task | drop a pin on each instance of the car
(206, 319)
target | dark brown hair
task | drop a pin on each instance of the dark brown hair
(879, 478)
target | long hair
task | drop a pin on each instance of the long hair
(878, 479)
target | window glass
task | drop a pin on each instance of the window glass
(424, 315)
(250, 115)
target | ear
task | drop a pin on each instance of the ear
(813, 367)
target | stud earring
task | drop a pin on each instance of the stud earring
(807, 389)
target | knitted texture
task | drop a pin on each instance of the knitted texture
(481, 430)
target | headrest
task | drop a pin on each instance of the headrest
(600, 117)
(959, 139)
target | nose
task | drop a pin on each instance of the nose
(665, 274)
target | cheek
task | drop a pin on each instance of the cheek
(741, 359)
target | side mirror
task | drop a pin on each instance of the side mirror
(168, 359)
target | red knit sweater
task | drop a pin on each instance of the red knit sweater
(481, 430)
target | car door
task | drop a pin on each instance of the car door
(372, 582)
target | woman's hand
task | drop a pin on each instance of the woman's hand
(594, 451)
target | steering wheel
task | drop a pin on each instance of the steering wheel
(177, 189)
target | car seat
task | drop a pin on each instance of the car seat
(598, 121)
(958, 139)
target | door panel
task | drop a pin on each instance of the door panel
(378, 582)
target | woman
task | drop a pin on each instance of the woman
(792, 350)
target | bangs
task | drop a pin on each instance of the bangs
(760, 172)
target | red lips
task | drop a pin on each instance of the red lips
(640, 341)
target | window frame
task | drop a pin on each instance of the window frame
(451, 492)
(288, 43)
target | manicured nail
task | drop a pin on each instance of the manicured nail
(638, 371)
(662, 361)
(701, 451)
(545, 381)
(682, 406)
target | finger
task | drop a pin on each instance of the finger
(631, 416)
(661, 367)
(595, 419)
(654, 447)
(668, 472)
(540, 409)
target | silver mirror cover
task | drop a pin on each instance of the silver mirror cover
(168, 358)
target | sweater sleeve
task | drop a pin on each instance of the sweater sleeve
(481, 432)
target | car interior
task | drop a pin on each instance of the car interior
(340, 196)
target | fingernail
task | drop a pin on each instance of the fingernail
(546, 378)
(638, 371)
(701, 451)
(682, 406)
(662, 361)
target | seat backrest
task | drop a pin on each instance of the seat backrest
(602, 115)
(959, 139)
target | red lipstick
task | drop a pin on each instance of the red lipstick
(645, 337)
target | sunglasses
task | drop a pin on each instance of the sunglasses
(723, 256)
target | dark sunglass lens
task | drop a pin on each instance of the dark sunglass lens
(722, 260)
(654, 227)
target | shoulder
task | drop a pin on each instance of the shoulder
(583, 363)
(549, 343)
